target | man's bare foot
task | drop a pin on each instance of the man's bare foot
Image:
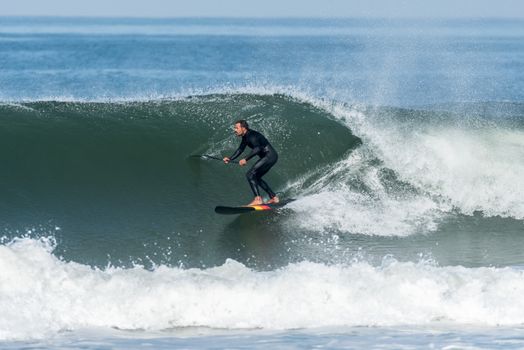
(273, 200)
(256, 201)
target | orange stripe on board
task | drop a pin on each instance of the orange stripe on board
(261, 207)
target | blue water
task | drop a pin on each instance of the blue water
(389, 62)
(409, 219)
(350, 338)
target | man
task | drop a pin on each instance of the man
(268, 157)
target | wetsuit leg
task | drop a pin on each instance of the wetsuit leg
(258, 170)
(253, 183)
(252, 177)
(266, 188)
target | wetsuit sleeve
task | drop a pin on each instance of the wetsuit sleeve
(240, 149)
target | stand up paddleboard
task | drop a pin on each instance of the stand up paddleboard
(241, 210)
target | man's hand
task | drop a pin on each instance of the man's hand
(242, 162)
(226, 160)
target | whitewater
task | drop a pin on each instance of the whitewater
(57, 295)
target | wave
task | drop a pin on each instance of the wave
(41, 295)
(356, 169)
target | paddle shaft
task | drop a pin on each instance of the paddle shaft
(205, 156)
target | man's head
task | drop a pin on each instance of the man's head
(241, 127)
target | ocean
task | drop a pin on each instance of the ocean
(401, 141)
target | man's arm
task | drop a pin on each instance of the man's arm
(239, 150)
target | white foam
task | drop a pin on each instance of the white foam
(348, 211)
(41, 295)
(475, 169)
(336, 202)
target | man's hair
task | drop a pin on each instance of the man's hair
(242, 123)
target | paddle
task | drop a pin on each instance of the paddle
(206, 156)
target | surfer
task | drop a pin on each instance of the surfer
(268, 157)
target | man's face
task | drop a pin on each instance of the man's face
(239, 130)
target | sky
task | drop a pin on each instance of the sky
(267, 8)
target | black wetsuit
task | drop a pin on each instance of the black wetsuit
(268, 157)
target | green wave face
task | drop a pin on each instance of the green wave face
(121, 172)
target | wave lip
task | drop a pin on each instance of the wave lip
(40, 295)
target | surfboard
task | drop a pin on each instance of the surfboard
(253, 208)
